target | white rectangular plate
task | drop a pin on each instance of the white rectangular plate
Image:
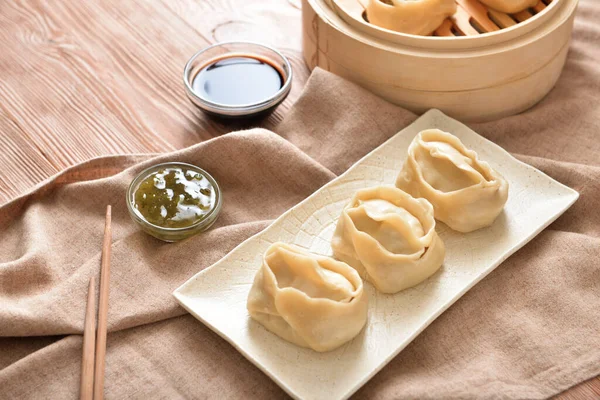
(217, 295)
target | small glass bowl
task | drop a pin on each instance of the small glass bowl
(173, 234)
(209, 54)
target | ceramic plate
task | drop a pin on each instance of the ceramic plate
(217, 295)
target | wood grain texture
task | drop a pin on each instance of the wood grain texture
(80, 80)
(90, 78)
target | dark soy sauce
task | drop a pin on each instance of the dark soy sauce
(238, 80)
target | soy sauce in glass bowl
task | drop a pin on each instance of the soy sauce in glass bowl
(238, 79)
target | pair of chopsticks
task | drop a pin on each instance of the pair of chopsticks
(92, 374)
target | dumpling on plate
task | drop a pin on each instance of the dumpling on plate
(310, 300)
(389, 237)
(416, 17)
(466, 193)
(509, 6)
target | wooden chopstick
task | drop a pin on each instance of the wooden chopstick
(103, 310)
(89, 341)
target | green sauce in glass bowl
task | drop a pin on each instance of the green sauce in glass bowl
(173, 201)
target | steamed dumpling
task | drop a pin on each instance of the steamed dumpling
(417, 17)
(389, 238)
(466, 193)
(312, 301)
(509, 6)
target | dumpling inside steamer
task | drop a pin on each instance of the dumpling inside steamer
(416, 17)
(466, 193)
(509, 6)
(389, 238)
(312, 301)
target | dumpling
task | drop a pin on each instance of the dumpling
(509, 6)
(389, 237)
(312, 301)
(417, 17)
(466, 193)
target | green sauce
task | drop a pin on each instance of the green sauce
(174, 197)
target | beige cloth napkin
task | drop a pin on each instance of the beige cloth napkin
(529, 330)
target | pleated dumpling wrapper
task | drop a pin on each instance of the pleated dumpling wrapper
(416, 17)
(509, 6)
(389, 237)
(466, 193)
(310, 300)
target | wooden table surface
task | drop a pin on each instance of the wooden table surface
(81, 79)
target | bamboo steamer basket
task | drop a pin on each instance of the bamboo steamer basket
(479, 65)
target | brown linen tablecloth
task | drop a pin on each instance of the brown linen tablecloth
(529, 330)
